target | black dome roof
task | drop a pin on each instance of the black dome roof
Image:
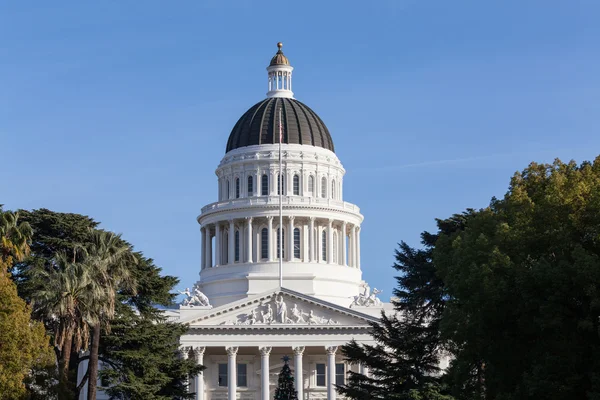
(259, 125)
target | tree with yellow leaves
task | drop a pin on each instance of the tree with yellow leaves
(23, 342)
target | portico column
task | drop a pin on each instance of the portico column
(329, 242)
(290, 255)
(184, 352)
(311, 240)
(265, 352)
(270, 230)
(249, 244)
(298, 351)
(203, 247)
(231, 372)
(217, 244)
(231, 258)
(364, 370)
(331, 350)
(344, 250)
(199, 352)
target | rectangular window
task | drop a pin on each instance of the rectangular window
(264, 185)
(297, 243)
(237, 246)
(321, 375)
(323, 245)
(296, 185)
(264, 243)
(250, 186)
(282, 251)
(340, 374)
(223, 375)
(242, 377)
(237, 188)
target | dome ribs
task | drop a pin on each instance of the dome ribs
(260, 125)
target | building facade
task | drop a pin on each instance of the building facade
(275, 200)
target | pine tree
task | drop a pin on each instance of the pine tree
(285, 385)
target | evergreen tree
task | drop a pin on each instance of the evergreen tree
(404, 362)
(285, 384)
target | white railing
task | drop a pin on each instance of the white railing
(274, 200)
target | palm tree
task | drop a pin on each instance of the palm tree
(110, 259)
(14, 236)
(68, 296)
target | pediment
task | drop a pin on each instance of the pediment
(281, 308)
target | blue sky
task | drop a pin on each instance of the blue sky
(121, 109)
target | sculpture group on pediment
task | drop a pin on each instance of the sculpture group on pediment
(368, 297)
(195, 297)
(264, 315)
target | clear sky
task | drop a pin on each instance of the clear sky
(121, 109)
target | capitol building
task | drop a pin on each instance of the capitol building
(280, 270)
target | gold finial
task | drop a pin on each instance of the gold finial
(279, 45)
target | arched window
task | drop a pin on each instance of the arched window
(311, 186)
(227, 183)
(296, 185)
(324, 245)
(282, 242)
(237, 188)
(335, 247)
(333, 189)
(237, 246)
(250, 186)
(264, 243)
(280, 184)
(323, 187)
(264, 185)
(296, 243)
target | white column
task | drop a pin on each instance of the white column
(231, 257)
(207, 248)
(199, 353)
(249, 244)
(311, 240)
(217, 244)
(344, 250)
(298, 351)
(329, 241)
(364, 370)
(358, 247)
(353, 241)
(184, 352)
(265, 352)
(231, 372)
(290, 255)
(271, 241)
(331, 350)
(203, 248)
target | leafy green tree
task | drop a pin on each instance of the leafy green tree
(523, 287)
(144, 361)
(24, 344)
(404, 362)
(285, 384)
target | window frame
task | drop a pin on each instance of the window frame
(340, 378)
(297, 242)
(323, 187)
(296, 185)
(311, 185)
(282, 243)
(320, 376)
(239, 375)
(324, 245)
(220, 374)
(236, 241)
(264, 244)
(264, 185)
(250, 186)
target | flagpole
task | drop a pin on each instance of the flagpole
(280, 205)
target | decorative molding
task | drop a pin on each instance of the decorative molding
(278, 314)
(331, 350)
(265, 351)
(231, 351)
(298, 350)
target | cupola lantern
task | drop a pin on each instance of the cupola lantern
(280, 75)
